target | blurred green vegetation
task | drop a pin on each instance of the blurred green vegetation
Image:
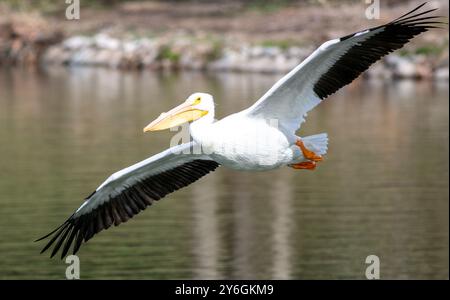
(167, 53)
(282, 44)
(427, 50)
(267, 5)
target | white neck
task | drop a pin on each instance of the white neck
(200, 127)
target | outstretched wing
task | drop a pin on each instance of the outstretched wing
(333, 65)
(127, 192)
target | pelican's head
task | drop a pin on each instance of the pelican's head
(195, 107)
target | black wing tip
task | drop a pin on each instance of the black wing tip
(59, 232)
(413, 10)
(50, 233)
(409, 17)
(392, 36)
(408, 20)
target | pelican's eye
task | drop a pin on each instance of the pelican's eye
(197, 101)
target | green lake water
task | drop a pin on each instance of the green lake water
(382, 189)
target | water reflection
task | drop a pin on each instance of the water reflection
(382, 190)
(206, 230)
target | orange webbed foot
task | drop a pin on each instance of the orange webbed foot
(308, 154)
(306, 165)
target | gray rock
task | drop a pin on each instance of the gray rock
(148, 58)
(283, 64)
(77, 42)
(131, 47)
(85, 56)
(115, 59)
(231, 60)
(299, 53)
(379, 70)
(272, 51)
(401, 67)
(221, 64)
(56, 55)
(441, 73)
(104, 41)
(104, 57)
(262, 64)
(257, 51)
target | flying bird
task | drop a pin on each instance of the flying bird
(261, 137)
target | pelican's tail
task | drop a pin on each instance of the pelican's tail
(317, 143)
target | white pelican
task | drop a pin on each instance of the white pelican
(278, 114)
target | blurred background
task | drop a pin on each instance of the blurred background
(75, 95)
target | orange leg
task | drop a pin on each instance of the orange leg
(306, 165)
(308, 154)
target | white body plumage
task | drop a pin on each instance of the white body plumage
(242, 143)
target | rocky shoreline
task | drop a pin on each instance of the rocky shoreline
(35, 44)
(202, 54)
